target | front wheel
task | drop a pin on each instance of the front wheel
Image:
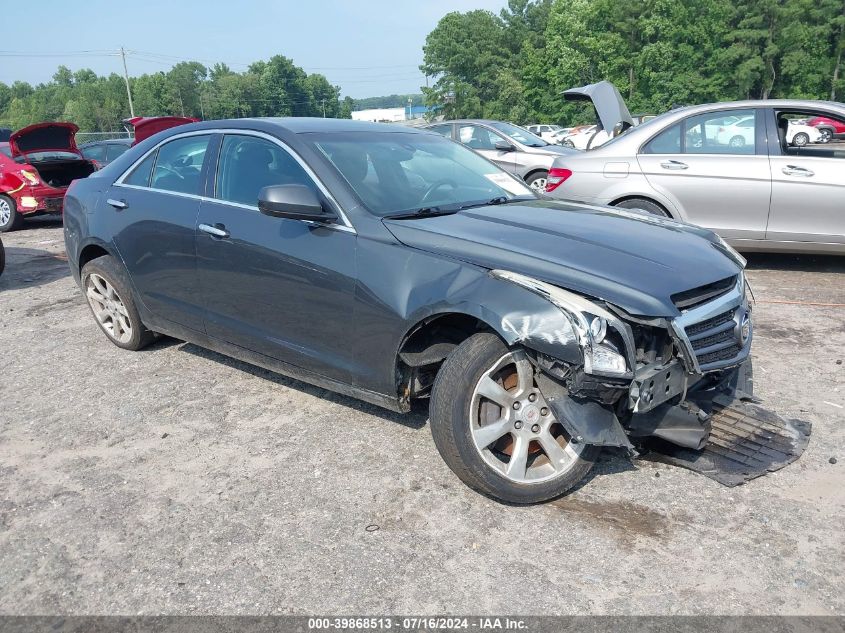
(495, 430)
(737, 141)
(10, 217)
(826, 135)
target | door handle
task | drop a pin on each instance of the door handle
(117, 204)
(794, 170)
(674, 164)
(215, 231)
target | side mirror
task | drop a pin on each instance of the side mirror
(504, 146)
(295, 202)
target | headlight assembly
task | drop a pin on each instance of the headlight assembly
(731, 252)
(590, 322)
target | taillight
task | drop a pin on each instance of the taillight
(557, 176)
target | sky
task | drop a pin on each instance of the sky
(367, 47)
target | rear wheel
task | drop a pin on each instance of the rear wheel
(643, 205)
(537, 180)
(10, 218)
(800, 139)
(494, 429)
(110, 299)
(737, 141)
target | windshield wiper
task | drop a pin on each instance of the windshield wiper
(424, 212)
(497, 200)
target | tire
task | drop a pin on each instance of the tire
(800, 139)
(10, 218)
(108, 293)
(737, 141)
(456, 413)
(537, 181)
(643, 205)
(826, 135)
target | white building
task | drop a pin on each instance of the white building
(381, 115)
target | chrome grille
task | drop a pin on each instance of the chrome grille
(715, 340)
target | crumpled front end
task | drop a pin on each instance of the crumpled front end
(641, 379)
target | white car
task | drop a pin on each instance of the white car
(544, 131)
(588, 138)
(741, 133)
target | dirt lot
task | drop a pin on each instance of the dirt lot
(175, 480)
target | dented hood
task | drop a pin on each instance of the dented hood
(609, 104)
(627, 258)
(41, 137)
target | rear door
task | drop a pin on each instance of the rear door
(715, 180)
(808, 186)
(272, 285)
(154, 211)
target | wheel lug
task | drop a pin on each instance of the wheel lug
(544, 411)
(517, 424)
(535, 428)
(517, 406)
(532, 397)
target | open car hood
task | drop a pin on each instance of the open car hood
(146, 126)
(609, 104)
(44, 137)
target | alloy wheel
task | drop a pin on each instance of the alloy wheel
(513, 427)
(5, 212)
(538, 184)
(108, 308)
(825, 137)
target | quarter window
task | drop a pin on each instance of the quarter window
(667, 142)
(179, 165)
(140, 176)
(248, 164)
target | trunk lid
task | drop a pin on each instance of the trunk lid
(609, 104)
(44, 137)
(146, 126)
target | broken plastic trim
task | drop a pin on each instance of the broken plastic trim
(580, 312)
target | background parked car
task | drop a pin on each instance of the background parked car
(742, 132)
(830, 128)
(36, 167)
(544, 131)
(5, 134)
(512, 148)
(764, 193)
(105, 151)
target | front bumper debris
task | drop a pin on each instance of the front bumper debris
(746, 441)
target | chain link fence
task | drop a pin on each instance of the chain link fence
(85, 137)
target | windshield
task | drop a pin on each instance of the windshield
(518, 134)
(394, 173)
(49, 155)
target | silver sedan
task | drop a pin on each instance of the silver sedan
(737, 168)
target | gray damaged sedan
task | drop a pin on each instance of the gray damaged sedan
(396, 265)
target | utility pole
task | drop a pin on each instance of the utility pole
(324, 108)
(126, 78)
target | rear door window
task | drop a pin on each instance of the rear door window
(114, 150)
(95, 152)
(179, 165)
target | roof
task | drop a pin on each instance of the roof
(108, 141)
(305, 125)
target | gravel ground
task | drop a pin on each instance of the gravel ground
(178, 481)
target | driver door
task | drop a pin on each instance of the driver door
(275, 286)
(483, 141)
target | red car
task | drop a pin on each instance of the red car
(36, 167)
(146, 126)
(830, 128)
